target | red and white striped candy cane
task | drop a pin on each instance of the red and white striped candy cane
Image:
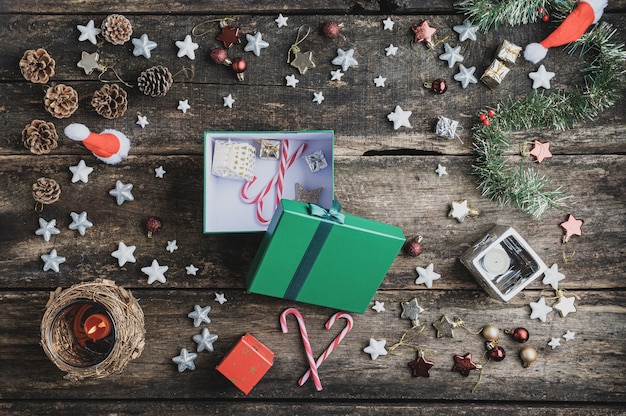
(334, 344)
(305, 341)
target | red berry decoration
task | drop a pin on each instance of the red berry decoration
(239, 66)
(496, 353)
(413, 247)
(331, 30)
(520, 335)
(482, 117)
(220, 56)
(486, 122)
(491, 113)
(153, 225)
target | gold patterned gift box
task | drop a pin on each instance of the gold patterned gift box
(233, 160)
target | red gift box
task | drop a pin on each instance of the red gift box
(246, 363)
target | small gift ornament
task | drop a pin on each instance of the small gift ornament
(316, 161)
(508, 53)
(446, 127)
(494, 74)
(270, 149)
(233, 160)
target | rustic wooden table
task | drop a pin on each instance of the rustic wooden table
(380, 173)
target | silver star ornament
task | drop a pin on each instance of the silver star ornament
(200, 315)
(80, 172)
(124, 254)
(205, 340)
(426, 276)
(143, 46)
(185, 360)
(255, 44)
(411, 310)
(51, 261)
(155, 272)
(122, 192)
(466, 76)
(345, 59)
(451, 55)
(400, 118)
(466, 31)
(80, 222)
(47, 229)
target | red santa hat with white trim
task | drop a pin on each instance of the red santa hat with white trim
(110, 146)
(586, 13)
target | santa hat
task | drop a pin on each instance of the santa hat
(571, 29)
(110, 146)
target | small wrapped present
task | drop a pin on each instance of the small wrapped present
(246, 364)
(269, 149)
(494, 74)
(316, 161)
(233, 160)
(446, 127)
(508, 53)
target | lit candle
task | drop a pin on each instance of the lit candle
(97, 327)
(496, 261)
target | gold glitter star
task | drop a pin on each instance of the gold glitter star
(444, 327)
(303, 61)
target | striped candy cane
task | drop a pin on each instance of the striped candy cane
(334, 344)
(305, 341)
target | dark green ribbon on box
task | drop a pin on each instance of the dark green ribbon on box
(329, 217)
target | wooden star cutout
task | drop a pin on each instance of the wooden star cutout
(229, 36)
(464, 364)
(421, 366)
(541, 151)
(303, 61)
(306, 196)
(572, 227)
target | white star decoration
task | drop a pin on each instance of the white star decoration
(569, 335)
(205, 340)
(318, 97)
(391, 50)
(379, 306)
(51, 261)
(541, 78)
(451, 55)
(376, 348)
(229, 101)
(124, 254)
(565, 305)
(281, 20)
(336, 75)
(466, 76)
(47, 229)
(183, 105)
(143, 46)
(185, 360)
(219, 297)
(466, 31)
(122, 192)
(200, 315)
(441, 170)
(142, 121)
(291, 80)
(388, 24)
(426, 276)
(344, 59)
(255, 44)
(540, 310)
(554, 342)
(80, 222)
(80, 172)
(186, 48)
(88, 32)
(171, 246)
(552, 276)
(379, 81)
(191, 269)
(459, 210)
(155, 272)
(399, 118)
(159, 172)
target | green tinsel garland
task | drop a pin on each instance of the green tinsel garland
(524, 188)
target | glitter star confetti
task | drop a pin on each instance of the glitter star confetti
(89, 62)
(171, 246)
(376, 348)
(400, 118)
(552, 276)
(411, 310)
(451, 55)
(186, 48)
(554, 342)
(229, 101)
(345, 59)
(541, 78)
(47, 229)
(80, 172)
(307, 196)
(255, 44)
(336, 75)
(571, 227)
(183, 105)
(464, 364)
(466, 76)
(539, 309)
(219, 297)
(318, 97)
(159, 172)
(143, 46)
(569, 335)
(379, 306)
(122, 192)
(388, 24)
(565, 305)
(391, 50)
(466, 31)
(420, 366)
(445, 327)
(540, 151)
(88, 32)
(155, 272)
(142, 121)
(291, 81)
(281, 20)
(205, 340)
(379, 81)
(52, 261)
(441, 170)
(185, 360)
(191, 269)
(200, 315)
(124, 254)
(80, 222)
(426, 276)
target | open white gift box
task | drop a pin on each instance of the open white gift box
(233, 206)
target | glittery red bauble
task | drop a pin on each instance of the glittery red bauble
(413, 248)
(219, 55)
(496, 353)
(153, 225)
(331, 30)
(439, 86)
(520, 334)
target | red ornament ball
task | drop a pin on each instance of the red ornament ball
(439, 86)
(153, 225)
(520, 334)
(486, 122)
(239, 65)
(491, 113)
(482, 117)
(331, 30)
(219, 55)
(496, 353)
(545, 18)
(413, 247)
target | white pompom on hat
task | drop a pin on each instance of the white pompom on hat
(586, 13)
(110, 146)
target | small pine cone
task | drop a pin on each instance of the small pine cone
(46, 191)
(155, 81)
(110, 101)
(117, 29)
(37, 66)
(40, 137)
(61, 101)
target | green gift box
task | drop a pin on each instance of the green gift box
(324, 258)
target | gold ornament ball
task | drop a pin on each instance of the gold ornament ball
(491, 332)
(528, 355)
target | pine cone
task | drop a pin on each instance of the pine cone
(117, 29)
(46, 191)
(40, 137)
(61, 101)
(110, 101)
(37, 65)
(155, 81)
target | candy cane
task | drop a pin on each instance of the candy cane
(333, 345)
(305, 341)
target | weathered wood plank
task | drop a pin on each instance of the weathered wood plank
(404, 191)
(586, 369)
